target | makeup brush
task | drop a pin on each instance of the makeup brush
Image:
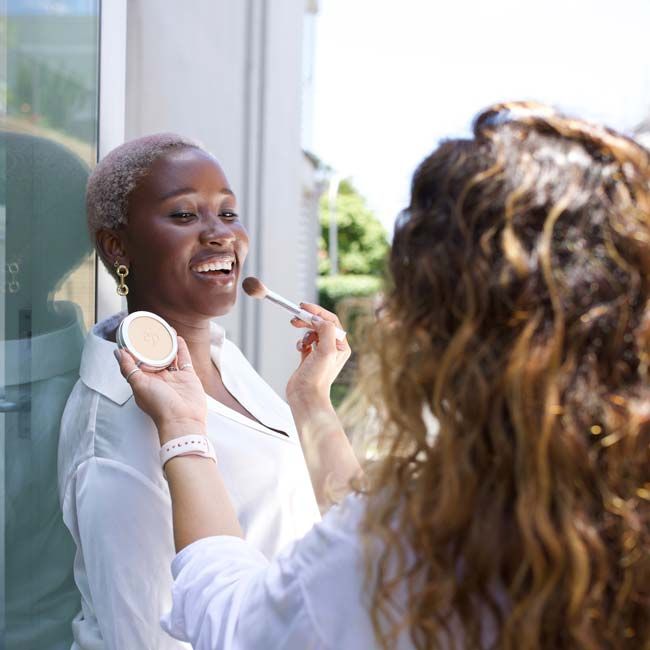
(256, 289)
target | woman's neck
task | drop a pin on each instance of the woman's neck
(195, 331)
(197, 337)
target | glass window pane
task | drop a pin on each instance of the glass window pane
(48, 142)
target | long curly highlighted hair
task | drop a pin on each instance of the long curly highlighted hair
(518, 316)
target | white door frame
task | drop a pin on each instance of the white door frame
(112, 114)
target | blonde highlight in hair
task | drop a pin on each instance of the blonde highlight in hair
(518, 317)
(118, 174)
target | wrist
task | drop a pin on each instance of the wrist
(314, 416)
(309, 397)
(310, 404)
(177, 428)
(191, 445)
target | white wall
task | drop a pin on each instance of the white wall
(112, 102)
(228, 73)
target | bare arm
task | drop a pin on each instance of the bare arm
(201, 506)
(331, 461)
(330, 458)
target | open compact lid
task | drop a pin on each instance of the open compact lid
(149, 338)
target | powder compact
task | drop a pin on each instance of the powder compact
(149, 338)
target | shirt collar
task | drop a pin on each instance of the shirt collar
(99, 370)
(46, 355)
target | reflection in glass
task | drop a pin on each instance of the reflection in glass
(48, 89)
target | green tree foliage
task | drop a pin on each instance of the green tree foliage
(362, 251)
(362, 240)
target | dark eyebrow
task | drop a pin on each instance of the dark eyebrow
(191, 190)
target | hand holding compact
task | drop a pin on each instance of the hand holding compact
(173, 398)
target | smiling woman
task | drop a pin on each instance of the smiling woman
(164, 219)
(184, 243)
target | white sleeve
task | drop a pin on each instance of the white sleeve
(125, 533)
(228, 596)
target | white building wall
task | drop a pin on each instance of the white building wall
(313, 186)
(229, 74)
(112, 103)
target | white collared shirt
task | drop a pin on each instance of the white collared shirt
(312, 596)
(116, 501)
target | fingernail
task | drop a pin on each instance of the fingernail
(299, 345)
(117, 353)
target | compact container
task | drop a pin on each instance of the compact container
(149, 338)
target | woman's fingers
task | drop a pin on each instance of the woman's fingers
(322, 332)
(304, 344)
(299, 323)
(327, 317)
(317, 310)
(312, 337)
(326, 333)
(183, 357)
(126, 361)
(321, 313)
(128, 367)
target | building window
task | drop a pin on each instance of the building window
(48, 145)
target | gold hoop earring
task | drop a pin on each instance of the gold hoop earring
(122, 271)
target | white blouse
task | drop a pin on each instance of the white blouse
(116, 501)
(313, 596)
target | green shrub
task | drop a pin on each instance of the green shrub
(332, 288)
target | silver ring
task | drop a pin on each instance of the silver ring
(185, 365)
(132, 372)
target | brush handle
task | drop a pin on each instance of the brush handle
(297, 311)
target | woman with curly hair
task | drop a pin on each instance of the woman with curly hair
(518, 316)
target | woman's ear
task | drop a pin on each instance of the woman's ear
(111, 247)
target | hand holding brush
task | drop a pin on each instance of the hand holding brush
(257, 289)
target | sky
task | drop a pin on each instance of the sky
(393, 78)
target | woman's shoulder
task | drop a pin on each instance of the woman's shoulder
(95, 427)
(99, 370)
(101, 419)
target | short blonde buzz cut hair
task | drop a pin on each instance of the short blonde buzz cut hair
(118, 174)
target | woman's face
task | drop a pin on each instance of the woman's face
(184, 241)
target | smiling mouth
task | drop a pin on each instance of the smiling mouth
(216, 268)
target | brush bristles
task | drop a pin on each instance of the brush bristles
(254, 288)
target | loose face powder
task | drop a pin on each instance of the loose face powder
(149, 339)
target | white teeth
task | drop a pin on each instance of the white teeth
(221, 265)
